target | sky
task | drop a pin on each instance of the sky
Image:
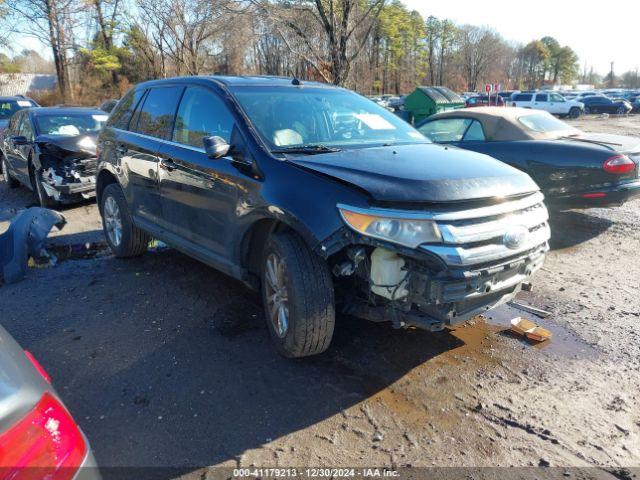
(600, 33)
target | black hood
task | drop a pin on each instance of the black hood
(68, 146)
(421, 173)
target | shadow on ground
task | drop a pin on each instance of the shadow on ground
(131, 348)
(573, 227)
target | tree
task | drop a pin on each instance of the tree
(52, 22)
(631, 79)
(446, 41)
(328, 34)
(433, 28)
(480, 47)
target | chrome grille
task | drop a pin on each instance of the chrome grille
(475, 237)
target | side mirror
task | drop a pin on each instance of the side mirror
(216, 147)
(19, 140)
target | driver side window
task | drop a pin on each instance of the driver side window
(24, 128)
(201, 114)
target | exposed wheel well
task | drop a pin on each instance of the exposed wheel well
(105, 178)
(253, 243)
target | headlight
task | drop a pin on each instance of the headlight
(404, 231)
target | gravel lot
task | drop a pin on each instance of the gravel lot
(131, 348)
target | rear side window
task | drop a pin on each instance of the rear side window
(446, 130)
(159, 108)
(475, 133)
(542, 97)
(201, 114)
(121, 115)
(525, 97)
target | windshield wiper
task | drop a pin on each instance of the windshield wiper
(306, 149)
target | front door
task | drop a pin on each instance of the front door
(199, 194)
(138, 148)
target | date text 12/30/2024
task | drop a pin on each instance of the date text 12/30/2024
(315, 473)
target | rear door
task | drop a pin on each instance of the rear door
(150, 125)
(541, 101)
(199, 194)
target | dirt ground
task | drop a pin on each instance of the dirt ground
(132, 351)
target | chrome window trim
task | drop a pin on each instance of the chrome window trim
(162, 140)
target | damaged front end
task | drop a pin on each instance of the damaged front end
(429, 269)
(67, 167)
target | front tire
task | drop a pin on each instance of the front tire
(124, 239)
(298, 297)
(42, 196)
(9, 180)
(621, 111)
(574, 112)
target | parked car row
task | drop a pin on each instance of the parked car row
(563, 104)
(321, 198)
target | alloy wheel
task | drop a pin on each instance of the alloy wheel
(112, 221)
(276, 294)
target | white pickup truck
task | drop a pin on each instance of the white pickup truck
(549, 101)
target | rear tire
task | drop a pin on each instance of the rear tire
(124, 239)
(621, 111)
(298, 297)
(9, 180)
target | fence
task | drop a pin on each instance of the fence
(22, 83)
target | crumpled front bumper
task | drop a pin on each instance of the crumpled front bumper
(481, 266)
(65, 185)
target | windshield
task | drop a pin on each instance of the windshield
(290, 118)
(543, 123)
(75, 124)
(9, 107)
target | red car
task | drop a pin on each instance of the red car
(483, 101)
(39, 440)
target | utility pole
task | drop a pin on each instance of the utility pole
(611, 77)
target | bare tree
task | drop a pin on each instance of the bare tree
(52, 22)
(183, 29)
(327, 34)
(479, 49)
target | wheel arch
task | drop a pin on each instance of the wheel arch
(255, 237)
(104, 178)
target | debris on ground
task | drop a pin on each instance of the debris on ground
(529, 309)
(24, 239)
(530, 330)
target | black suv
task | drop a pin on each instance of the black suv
(319, 197)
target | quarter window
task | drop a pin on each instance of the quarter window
(201, 114)
(475, 133)
(156, 117)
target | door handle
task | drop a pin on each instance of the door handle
(167, 164)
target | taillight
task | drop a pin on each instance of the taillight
(38, 367)
(619, 164)
(46, 443)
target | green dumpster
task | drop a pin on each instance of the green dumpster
(425, 101)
